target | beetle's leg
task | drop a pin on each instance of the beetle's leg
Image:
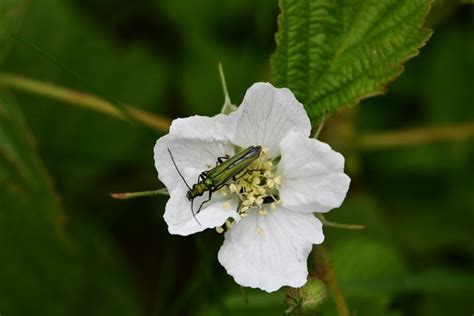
(222, 159)
(204, 202)
(202, 176)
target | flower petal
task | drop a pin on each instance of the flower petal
(179, 216)
(199, 155)
(202, 127)
(266, 115)
(270, 251)
(313, 178)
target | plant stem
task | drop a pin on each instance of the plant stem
(228, 107)
(83, 100)
(415, 136)
(325, 273)
(338, 225)
(368, 142)
(224, 84)
(131, 195)
(320, 126)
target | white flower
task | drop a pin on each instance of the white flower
(268, 240)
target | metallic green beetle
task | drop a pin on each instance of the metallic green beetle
(226, 169)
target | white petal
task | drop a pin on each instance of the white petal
(195, 154)
(179, 217)
(270, 251)
(313, 178)
(266, 115)
(214, 128)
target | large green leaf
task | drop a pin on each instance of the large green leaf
(49, 267)
(334, 53)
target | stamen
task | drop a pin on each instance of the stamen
(257, 186)
(270, 183)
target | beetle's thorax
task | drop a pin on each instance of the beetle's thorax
(197, 190)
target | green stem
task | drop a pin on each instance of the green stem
(244, 295)
(82, 100)
(325, 273)
(320, 126)
(131, 195)
(228, 107)
(224, 84)
(338, 225)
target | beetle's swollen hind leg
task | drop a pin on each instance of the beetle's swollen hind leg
(204, 202)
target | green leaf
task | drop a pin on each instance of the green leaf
(49, 267)
(332, 54)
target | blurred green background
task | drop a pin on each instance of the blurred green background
(67, 248)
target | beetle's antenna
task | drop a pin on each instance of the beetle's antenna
(174, 163)
(187, 185)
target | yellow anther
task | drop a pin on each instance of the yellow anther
(232, 187)
(219, 229)
(262, 211)
(270, 183)
(259, 200)
(246, 203)
(277, 180)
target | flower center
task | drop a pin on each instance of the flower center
(256, 186)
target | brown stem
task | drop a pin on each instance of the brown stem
(325, 273)
(416, 136)
(83, 100)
